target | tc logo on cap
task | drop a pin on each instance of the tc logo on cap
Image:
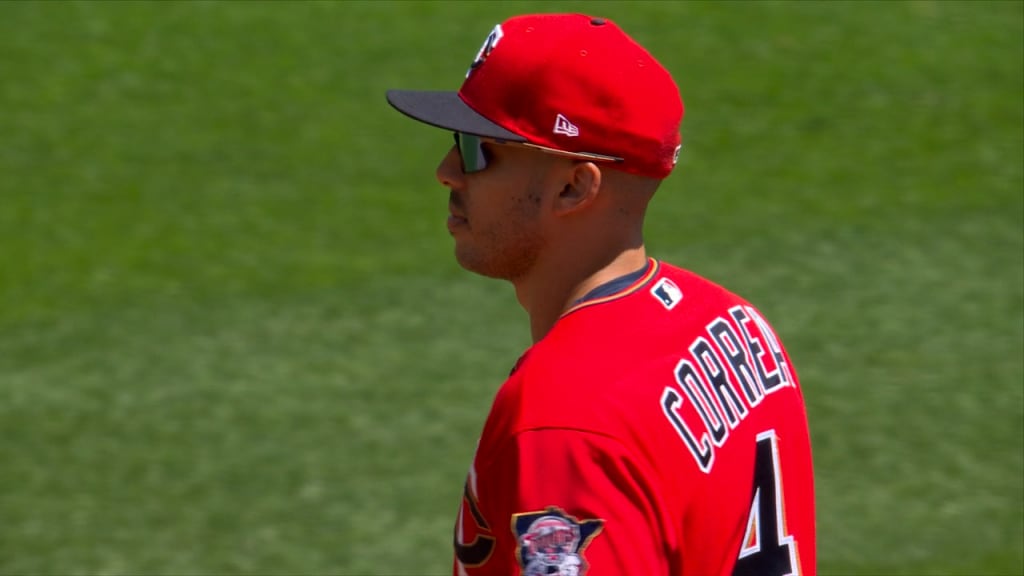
(489, 44)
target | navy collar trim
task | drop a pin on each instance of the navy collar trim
(615, 286)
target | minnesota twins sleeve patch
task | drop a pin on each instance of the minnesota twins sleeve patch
(551, 542)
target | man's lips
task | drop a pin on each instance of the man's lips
(456, 219)
(456, 215)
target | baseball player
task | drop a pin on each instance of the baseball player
(656, 426)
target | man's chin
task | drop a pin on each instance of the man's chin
(476, 264)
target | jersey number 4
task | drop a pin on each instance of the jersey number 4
(767, 550)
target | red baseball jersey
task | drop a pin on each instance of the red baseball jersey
(657, 429)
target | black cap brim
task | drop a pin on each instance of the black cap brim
(446, 110)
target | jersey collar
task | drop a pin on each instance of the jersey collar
(617, 288)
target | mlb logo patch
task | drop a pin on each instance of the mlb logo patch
(551, 542)
(667, 293)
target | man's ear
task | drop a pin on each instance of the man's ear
(581, 190)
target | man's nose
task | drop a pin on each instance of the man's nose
(449, 171)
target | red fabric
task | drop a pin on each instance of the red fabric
(581, 443)
(588, 71)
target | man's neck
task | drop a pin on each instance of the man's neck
(551, 288)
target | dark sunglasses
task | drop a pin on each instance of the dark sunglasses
(471, 150)
(474, 159)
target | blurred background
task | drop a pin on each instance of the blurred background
(233, 338)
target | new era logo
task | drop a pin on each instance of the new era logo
(563, 126)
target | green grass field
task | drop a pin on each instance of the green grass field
(233, 339)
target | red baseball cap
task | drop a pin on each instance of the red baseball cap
(570, 82)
